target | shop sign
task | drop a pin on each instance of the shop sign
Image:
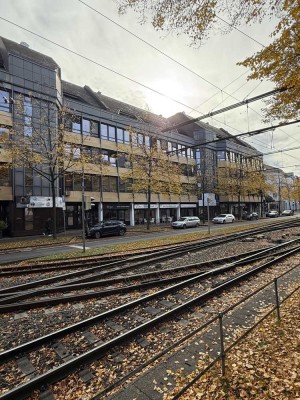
(188, 205)
(117, 207)
(144, 206)
(169, 205)
(39, 202)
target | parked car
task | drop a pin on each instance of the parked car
(107, 228)
(186, 222)
(251, 216)
(272, 214)
(223, 219)
(287, 212)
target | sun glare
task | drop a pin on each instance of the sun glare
(163, 105)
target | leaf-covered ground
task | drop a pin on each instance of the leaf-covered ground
(265, 365)
(19, 243)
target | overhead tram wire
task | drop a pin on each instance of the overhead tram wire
(102, 66)
(155, 48)
(251, 133)
(98, 64)
(171, 58)
(221, 110)
(182, 65)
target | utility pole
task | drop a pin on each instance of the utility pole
(83, 210)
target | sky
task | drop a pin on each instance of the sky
(135, 67)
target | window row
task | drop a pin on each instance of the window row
(96, 183)
(93, 183)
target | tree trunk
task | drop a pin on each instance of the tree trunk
(54, 209)
(148, 208)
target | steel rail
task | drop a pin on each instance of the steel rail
(14, 303)
(63, 370)
(169, 253)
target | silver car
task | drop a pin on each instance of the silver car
(186, 222)
(223, 219)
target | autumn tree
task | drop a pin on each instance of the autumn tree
(241, 180)
(259, 186)
(287, 190)
(36, 143)
(295, 195)
(278, 62)
(149, 168)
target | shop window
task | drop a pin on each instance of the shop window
(28, 219)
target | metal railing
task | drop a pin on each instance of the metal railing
(219, 320)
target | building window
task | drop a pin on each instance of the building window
(4, 100)
(27, 116)
(85, 127)
(120, 135)
(68, 182)
(109, 183)
(88, 183)
(140, 139)
(189, 152)
(126, 137)
(147, 141)
(4, 175)
(95, 183)
(108, 157)
(221, 155)
(112, 133)
(104, 131)
(77, 182)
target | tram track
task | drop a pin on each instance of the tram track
(123, 283)
(113, 318)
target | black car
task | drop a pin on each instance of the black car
(107, 228)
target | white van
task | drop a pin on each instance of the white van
(186, 222)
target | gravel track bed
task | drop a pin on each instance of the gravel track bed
(126, 358)
(75, 344)
(34, 323)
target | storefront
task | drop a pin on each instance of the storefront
(188, 210)
(117, 211)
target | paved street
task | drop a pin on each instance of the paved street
(132, 236)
